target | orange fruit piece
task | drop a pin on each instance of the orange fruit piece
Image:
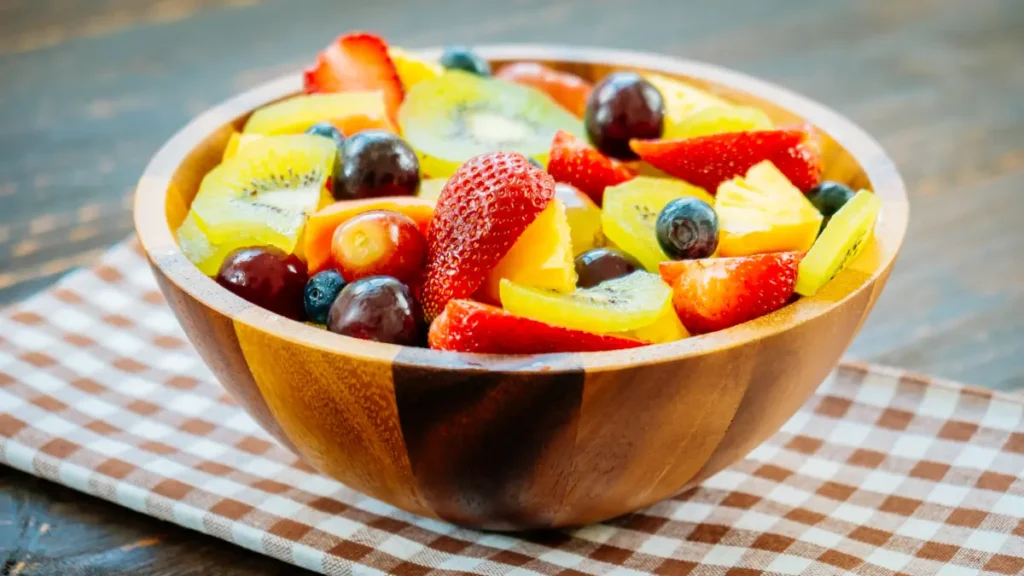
(321, 225)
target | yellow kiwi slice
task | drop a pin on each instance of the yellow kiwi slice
(262, 196)
(458, 115)
(430, 188)
(842, 240)
(236, 142)
(631, 210)
(627, 303)
(196, 246)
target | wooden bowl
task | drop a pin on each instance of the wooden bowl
(511, 443)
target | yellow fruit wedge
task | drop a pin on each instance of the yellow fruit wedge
(631, 210)
(584, 218)
(717, 119)
(350, 112)
(628, 303)
(430, 188)
(842, 240)
(541, 258)
(413, 69)
(682, 99)
(236, 142)
(667, 328)
(764, 212)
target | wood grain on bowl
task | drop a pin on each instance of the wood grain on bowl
(510, 443)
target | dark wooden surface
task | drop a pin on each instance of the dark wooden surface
(90, 89)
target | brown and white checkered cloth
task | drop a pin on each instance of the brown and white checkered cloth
(880, 473)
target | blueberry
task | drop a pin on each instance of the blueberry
(828, 197)
(327, 130)
(687, 228)
(464, 58)
(536, 163)
(321, 291)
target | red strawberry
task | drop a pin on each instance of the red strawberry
(467, 326)
(356, 61)
(572, 161)
(482, 210)
(801, 164)
(716, 293)
(707, 161)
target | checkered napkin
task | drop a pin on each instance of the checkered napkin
(880, 473)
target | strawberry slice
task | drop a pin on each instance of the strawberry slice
(801, 164)
(707, 161)
(482, 210)
(715, 293)
(356, 61)
(572, 161)
(467, 326)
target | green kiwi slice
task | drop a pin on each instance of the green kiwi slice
(458, 115)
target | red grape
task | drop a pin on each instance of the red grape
(267, 277)
(621, 107)
(376, 163)
(378, 308)
(599, 264)
(379, 243)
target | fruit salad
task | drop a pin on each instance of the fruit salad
(517, 209)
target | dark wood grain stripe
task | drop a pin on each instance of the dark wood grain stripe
(490, 449)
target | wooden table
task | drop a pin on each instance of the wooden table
(90, 88)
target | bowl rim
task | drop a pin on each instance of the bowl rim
(158, 242)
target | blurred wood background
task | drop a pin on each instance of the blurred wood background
(89, 89)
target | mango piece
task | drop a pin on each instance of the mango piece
(542, 257)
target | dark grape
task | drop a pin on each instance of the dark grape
(379, 308)
(379, 243)
(321, 290)
(464, 58)
(687, 228)
(267, 277)
(601, 264)
(623, 106)
(376, 163)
